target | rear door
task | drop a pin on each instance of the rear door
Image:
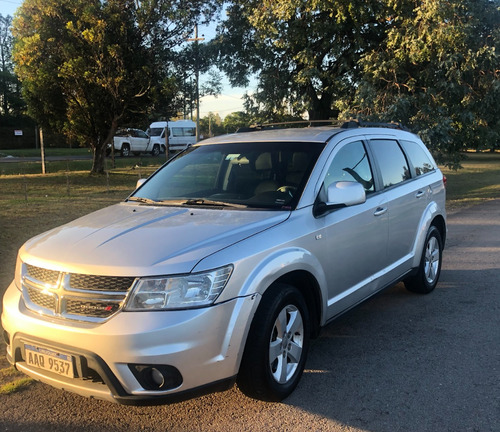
(407, 199)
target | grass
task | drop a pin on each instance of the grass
(11, 380)
(35, 167)
(31, 203)
(477, 181)
(48, 152)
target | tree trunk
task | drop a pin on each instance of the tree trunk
(98, 158)
(320, 107)
(99, 149)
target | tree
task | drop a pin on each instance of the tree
(11, 103)
(211, 125)
(438, 72)
(236, 120)
(89, 65)
(305, 53)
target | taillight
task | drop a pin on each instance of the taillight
(444, 180)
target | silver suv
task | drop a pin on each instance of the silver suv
(225, 263)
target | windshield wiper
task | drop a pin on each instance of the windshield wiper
(143, 200)
(206, 202)
(150, 201)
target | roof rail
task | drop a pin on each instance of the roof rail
(269, 126)
(351, 124)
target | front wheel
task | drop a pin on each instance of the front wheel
(277, 345)
(427, 276)
(156, 150)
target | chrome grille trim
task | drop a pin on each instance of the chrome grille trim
(43, 275)
(73, 296)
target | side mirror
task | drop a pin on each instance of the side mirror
(346, 193)
(139, 183)
(341, 194)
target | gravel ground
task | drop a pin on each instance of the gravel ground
(399, 362)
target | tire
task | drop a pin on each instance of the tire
(271, 369)
(156, 150)
(125, 151)
(427, 276)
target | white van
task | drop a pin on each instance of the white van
(181, 133)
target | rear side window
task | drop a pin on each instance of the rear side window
(183, 131)
(418, 157)
(391, 161)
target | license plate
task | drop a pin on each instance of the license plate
(43, 358)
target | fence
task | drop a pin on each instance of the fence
(26, 137)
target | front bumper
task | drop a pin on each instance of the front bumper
(204, 345)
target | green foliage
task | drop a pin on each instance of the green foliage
(11, 103)
(437, 72)
(234, 121)
(304, 52)
(88, 66)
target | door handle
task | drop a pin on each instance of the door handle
(380, 211)
(420, 194)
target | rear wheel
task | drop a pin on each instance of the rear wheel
(277, 345)
(427, 276)
(125, 151)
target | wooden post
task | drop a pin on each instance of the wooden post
(167, 144)
(42, 150)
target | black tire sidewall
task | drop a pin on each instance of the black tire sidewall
(125, 150)
(255, 378)
(419, 282)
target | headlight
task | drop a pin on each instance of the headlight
(178, 292)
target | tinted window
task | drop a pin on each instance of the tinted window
(183, 131)
(351, 164)
(155, 131)
(418, 157)
(264, 175)
(392, 162)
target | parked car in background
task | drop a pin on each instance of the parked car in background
(224, 264)
(135, 141)
(181, 133)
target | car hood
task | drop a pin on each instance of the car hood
(137, 240)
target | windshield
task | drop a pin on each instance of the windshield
(250, 175)
(155, 131)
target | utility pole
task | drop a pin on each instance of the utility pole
(196, 40)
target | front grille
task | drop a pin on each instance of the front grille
(94, 308)
(100, 283)
(43, 299)
(74, 296)
(42, 275)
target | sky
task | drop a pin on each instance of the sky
(230, 100)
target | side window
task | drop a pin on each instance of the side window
(418, 157)
(391, 161)
(351, 164)
(189, 131)
(177, 132)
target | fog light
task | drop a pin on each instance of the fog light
(157, 377)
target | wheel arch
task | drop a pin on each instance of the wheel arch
(308, 286)
(440, 224)
(431, 217)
